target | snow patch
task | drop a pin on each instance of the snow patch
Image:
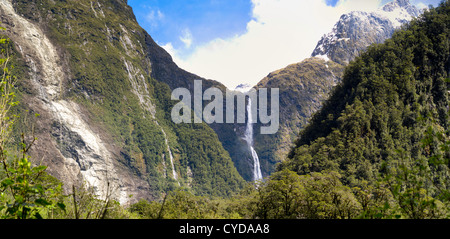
(244, 88)
(323, 57)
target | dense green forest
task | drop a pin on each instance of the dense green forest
(387, 124)
(379, 148)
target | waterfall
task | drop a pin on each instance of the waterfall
(174, 173)
(257, 175)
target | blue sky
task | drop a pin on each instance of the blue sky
(174, 20)
(241, 41)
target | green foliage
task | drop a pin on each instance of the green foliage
(145, 209)
(280, 197)
(376, 201)
(184, 205)
(82, 203)
(317, 196)
(27, 194)
(285, 195)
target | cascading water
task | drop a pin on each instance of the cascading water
(174, 173)
(140, 88)
(257, 175)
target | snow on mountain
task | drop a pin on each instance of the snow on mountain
(243, 88)
(357, 30)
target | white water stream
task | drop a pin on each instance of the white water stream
(257, 175)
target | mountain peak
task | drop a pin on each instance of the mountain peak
(402, 3)
(395, 4)
(243, 87)
(399, 5)
(356, 30)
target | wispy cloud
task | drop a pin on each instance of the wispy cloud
(187, 38)
(422, 5)
(154, 17)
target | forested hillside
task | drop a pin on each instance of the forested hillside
(392, 98)
(388, 122)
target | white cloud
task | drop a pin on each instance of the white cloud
(282, 32)
(170, 49)
(187, 38)
(422, 5)
(154, 17)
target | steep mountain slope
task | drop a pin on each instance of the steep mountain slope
(230, 135)
(390, 115)
(304, 86)
(102, 88)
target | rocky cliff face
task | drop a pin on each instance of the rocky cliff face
(67, 142)
(102, 88)
(304, 86)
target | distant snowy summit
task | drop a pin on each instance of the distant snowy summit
(402, 5)
(243, 88)
(355, 31)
